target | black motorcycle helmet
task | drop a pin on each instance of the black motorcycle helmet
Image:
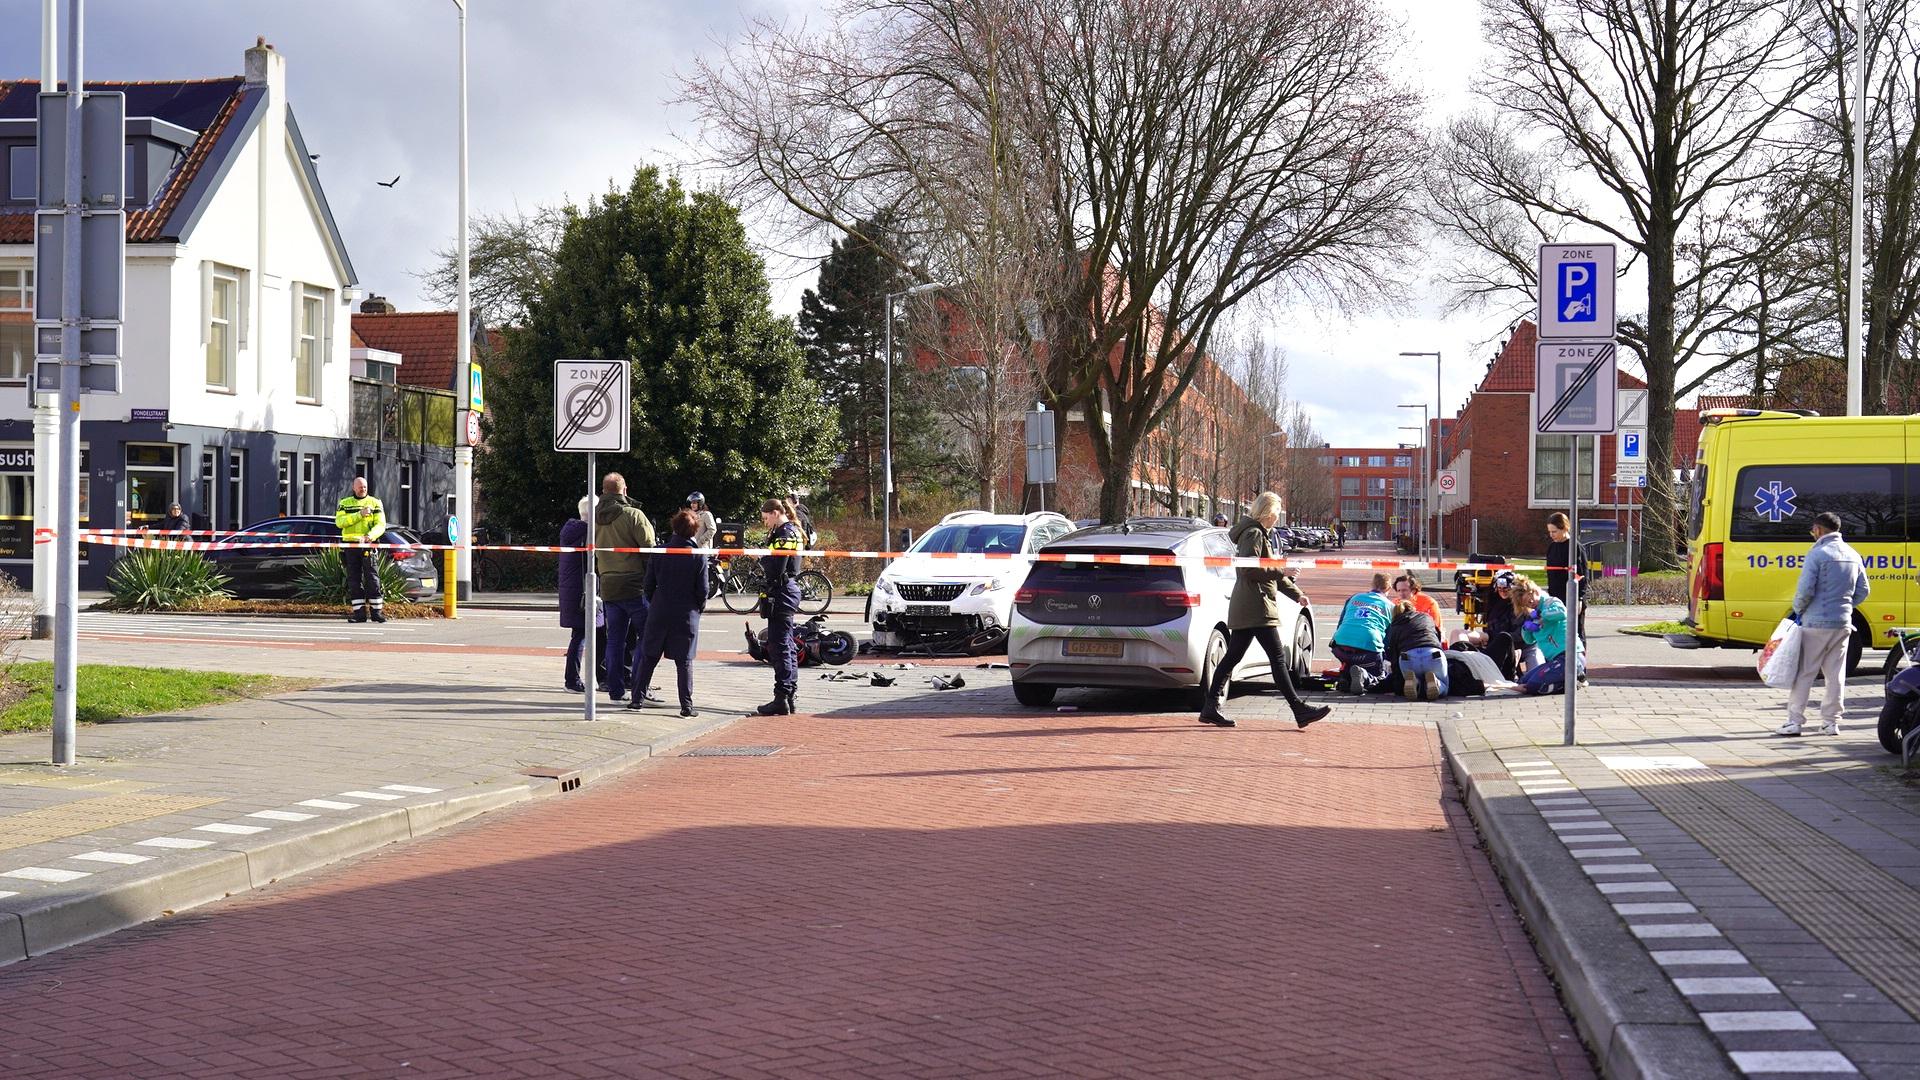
(696, 499)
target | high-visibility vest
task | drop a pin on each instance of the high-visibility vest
(360, 518)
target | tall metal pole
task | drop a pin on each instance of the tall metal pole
(67, 540)
(1856, 359)
(886, 454)
(463, 453)
(590, 583)
(1439, 425)
(1570, 659)
(46, 411)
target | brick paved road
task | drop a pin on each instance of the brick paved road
(942, 896)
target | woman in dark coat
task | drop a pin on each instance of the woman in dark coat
(676, 590)
(573, 612)
(1253, 614)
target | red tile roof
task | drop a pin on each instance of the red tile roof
(1686, 436)
(428, 343)
(1512, 369)
(143, 225)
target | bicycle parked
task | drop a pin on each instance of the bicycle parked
(739, 581)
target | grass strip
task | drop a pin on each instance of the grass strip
(108, 692)
(1657, 629)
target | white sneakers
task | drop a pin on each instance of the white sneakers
(1790, 728)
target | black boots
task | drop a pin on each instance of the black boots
(1304, 714)
(781, 705)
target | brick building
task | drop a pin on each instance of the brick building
(1510, 479)
(1375, 488)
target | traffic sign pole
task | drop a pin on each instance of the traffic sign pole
(590, 595)
(67, 518)
(592, 412)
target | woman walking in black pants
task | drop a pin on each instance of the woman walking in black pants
(1253, 614)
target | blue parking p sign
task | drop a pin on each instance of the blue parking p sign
(1576, 302)
(1631, 446)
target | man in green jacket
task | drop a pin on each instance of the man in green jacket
(619, 523)
(362, 521)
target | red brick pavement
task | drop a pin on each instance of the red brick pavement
(954, 897)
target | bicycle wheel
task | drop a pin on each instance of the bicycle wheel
(816, 592)
(740, 592)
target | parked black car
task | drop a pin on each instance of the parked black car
(262, 569)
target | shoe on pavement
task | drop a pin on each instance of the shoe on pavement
(1789, 729)
(617, 695)
(378, 617)
(1311, 713)
(575, 688)
(1831, 727)
(689, 711)
(636, 704)
(1410, 684)
(777, 707)
(1215, 717)
(1430, 686)
(650, 698)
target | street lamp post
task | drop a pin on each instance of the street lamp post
(1856, 359)
(1413, 509)
(1440, 415)
(462, 451)
(886, 498)
(1425, 473)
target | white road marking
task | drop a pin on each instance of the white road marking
(282, 815)
(1681, 957)
(382, 796)
(410, 789)
(1592, 838)
(1656, 909)
(231, 830)
(45, 873)
(1593, 869)
(1791, 1061)
(1605, 852)
(1561, 802)
(180, 842)
(1742, 985)
(1573, 826)
(4, 895)
(1784, 1020)
(1673, 930)
(1636, 762)
(1527, 764)
(119, 857)
(329, 804)
(1569, 813)
(1515, 773)
(1614, 888)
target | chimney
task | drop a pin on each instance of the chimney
(267, 68)
(376, 305)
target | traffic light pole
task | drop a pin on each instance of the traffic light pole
(67, 520)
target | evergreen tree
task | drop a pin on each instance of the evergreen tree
(843, 333)
(721, 401)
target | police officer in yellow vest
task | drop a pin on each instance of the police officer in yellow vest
(361, 521)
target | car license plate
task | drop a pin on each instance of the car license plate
(428, 583)
(1107, 650)
(928, 609)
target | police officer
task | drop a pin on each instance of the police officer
(781, 600)
(362, 521)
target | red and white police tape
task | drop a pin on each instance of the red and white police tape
(150, 541)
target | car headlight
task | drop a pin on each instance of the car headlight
(994, 585)
(885, 588)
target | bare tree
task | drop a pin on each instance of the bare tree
(510, 259)
(1666, 113)
(1163, 159)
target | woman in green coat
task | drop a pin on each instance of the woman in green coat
(1253, 614)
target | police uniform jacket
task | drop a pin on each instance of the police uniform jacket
(360, 517)
(782, 568)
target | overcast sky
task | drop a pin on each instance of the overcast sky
(566, 95)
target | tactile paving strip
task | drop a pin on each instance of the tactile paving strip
(87, 815)
(1852, 906)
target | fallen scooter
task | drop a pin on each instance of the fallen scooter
(813, 643)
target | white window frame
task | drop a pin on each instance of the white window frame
(288, 467)
(236, 489)
(1591, 497)
(212, 278)
(31, 175)
(21, 291)
(309, 481)
(319, 340)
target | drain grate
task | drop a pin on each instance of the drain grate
(731, 751)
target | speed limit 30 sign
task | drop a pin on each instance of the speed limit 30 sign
(591, 406)
(1448, 481)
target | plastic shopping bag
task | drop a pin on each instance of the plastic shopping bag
(1779, 659)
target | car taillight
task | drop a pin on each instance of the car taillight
(1710, 577)
(1180, 599)
(1024, 596)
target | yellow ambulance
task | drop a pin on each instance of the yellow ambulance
(1758, 480)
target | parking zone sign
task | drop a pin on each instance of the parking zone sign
(1573, 389)
(1576, 291)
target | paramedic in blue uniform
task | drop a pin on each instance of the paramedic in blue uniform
(781, 600)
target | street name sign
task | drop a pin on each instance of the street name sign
(592, 406)
(1576, 291)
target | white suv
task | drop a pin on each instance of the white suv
(941, 593)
